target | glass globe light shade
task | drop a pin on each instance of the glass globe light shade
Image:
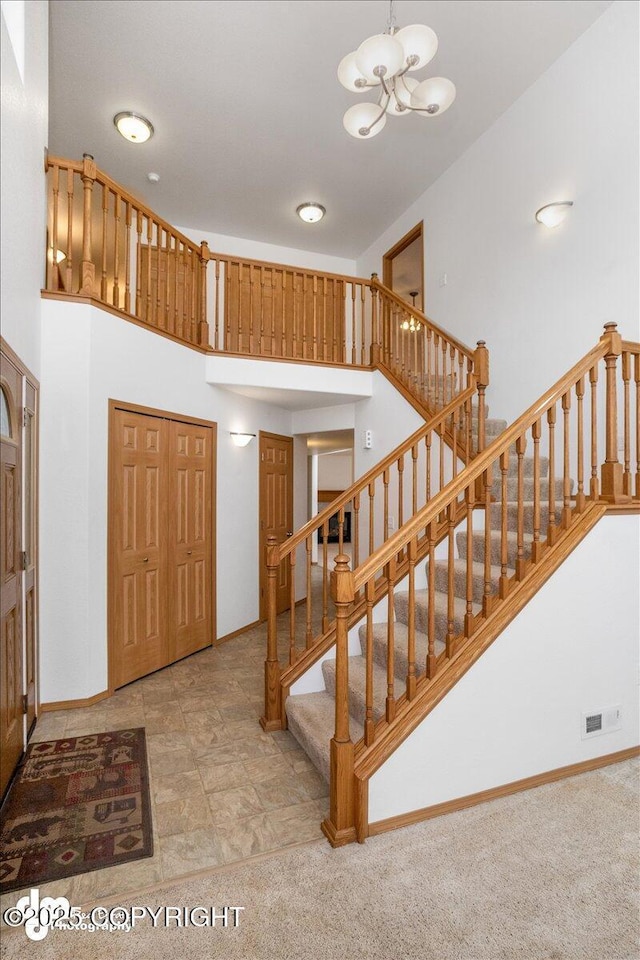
(403, 88)
(417, 41)
(311, 212)
(437, 93)
(133, 127)
(348, 74)
(554, 213)
(359, 118)
(382, 53)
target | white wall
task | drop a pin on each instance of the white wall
(24, 138)
(517, 712)
(92, 356)
(335, 471)
(539, 297)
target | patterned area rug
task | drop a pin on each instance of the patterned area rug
(76, 805)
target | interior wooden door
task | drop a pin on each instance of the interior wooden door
(190, 537)
(276, 509)
(30, 453)
(138, 526)
(11, 619)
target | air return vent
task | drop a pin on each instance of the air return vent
(596, 722)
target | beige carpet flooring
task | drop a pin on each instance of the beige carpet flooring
(550, 874)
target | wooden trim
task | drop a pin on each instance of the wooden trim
(115, 405)
(262, 533)
(235, 633)
(416, 233)
(410, 714)
(74, 704)
(328, 496)
(390, 295)
(17, 362)
(494, 793)
(271, 265)
(626, 509)
(92, 302)
(303, 361)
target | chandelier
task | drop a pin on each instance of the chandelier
(412, 324)
(381, 64)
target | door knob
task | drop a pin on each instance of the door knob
(289, 533)
(189, 552)
(145, 559)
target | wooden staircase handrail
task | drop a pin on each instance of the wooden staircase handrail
(424, 320)
(479, 464)
(433, 424)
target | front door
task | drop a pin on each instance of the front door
(161, 570)
(11, 614)
(276, 510)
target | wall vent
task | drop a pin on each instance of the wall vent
(596, 722)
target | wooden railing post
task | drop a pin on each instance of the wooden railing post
(203, 332)
(87, 266)
(273, 718)
(339, 827)
(611, 472)
(375, 323)
(481, 371)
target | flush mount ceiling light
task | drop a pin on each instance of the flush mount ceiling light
(553, 214)
(241, 439)
(133, 127)
(311, 212)
(381, 64)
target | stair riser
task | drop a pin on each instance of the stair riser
(527, 488)
(421, 617)
(527, 516)
(357, 701)
(400, 661)
(478, 548)
(460, 582)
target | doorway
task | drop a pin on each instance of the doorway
(276, 511)
(161, 539)
(18, 560)
(403, 267)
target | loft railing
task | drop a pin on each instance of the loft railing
(573, 426)
(106, 245)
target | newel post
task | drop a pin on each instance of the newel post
(273, 718)
(481, 373)
(87, 266)
(375, 322)
(339, 827)
(611, 473)
(203, 332)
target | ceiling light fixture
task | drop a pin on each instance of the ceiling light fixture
(412, 324)
(383, 62)
(553, 214)
(311, 212)
(241, 439)
(133, 127)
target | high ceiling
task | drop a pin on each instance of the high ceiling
(248, 111)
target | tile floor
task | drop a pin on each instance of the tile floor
(221, 789)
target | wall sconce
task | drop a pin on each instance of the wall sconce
(553, 214)
(241, 439)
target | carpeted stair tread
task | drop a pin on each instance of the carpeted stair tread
(357, 686)
(496, 546)
(401, 646)
(421, 611)
(527, 486)
(527, 515)
(311, 720)
(460, 578)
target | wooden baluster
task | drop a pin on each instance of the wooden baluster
(283, 332)
(468, 424)
(427, 443)
(105, 214)
(116, 250)
(127, 257)
(451, 595)
(203, 326)
(521, 564)
(369, 593)
(438, 382)
(216, 315)
(250, 318)
(362, 326)
(339, 354)
(178, 288)
(295, 296)
(536, 546)
(487, 598)
(391, 641)
(456, 437)
(356, 531)
(594, 484)
(325, 576)
(414, 478)
(385, 483)
(261, 350)
(566, 471)
(341, 530)
(611, 473)
(504, 510)
(273, 717)
(430, 664)
(305, 328)
(441, 446)
(552, 529)
(227, 304)
(160, 318)
(400, 490)
(626, 377)
(309, 631)
(411, 621)
(454, 386)
(445, 375)
(580, 497)
(139, 264)
(292, 607)
(53, 253)
(324, 355)
(376, 335)
(69, 261)
(339, 827)
(468, 617)
(481, 369)
(149, 311)
(428, 367)
(87, 266)
(636, 377)
(372, 492)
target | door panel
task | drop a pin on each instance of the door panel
(11, 639)
(276, 509)
(139, 526)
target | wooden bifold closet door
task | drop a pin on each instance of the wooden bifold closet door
(161, 572)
